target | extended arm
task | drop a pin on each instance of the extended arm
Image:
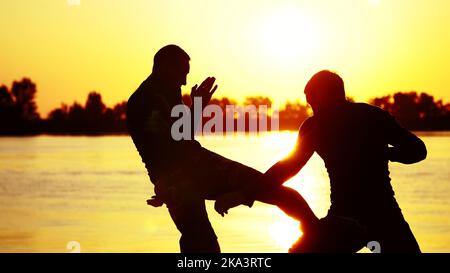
(288, 167)
(272, 180)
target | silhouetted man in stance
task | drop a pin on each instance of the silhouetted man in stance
(356, 142)
(184, 173)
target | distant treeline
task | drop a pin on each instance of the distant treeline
(19, 116)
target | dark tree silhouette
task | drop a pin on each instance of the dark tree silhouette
(416, 111)
(293, 115)
(258, 101)
(222, 102)
(94, 112)
(94, 106)
(6, 110)
(24, 92)
(120, 111)
(59, 114)
(186, 98)
(6, 100)
(6, 103)
(19, 116)
(94, 118)
(18, 108)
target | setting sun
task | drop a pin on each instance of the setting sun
(284, 231)
(287, 37)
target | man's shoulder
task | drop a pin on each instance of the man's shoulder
(139, 104)
(141, 98)
(369, 111)
(368, 108)
(135, 102)
(133, 98)
(139, 93)
(307, 125)
(375, 115)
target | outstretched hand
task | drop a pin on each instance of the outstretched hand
(228, 201)
(205, 90)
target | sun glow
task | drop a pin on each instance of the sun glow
(284, 231)
(374, 2)
(287, 36)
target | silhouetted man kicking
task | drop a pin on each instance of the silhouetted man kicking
(184, 173)
(356, 142)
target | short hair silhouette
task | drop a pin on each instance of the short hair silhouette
(169, 56)
(325, 86)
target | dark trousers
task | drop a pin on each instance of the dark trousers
(197, 234)
(184, 192)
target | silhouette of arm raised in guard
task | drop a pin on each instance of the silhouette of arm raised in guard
(406, 148)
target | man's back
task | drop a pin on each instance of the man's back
(149, 123)
(353, 140)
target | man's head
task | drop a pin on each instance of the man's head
(171, 65)
(324, 89)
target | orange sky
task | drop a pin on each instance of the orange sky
(252, 47)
